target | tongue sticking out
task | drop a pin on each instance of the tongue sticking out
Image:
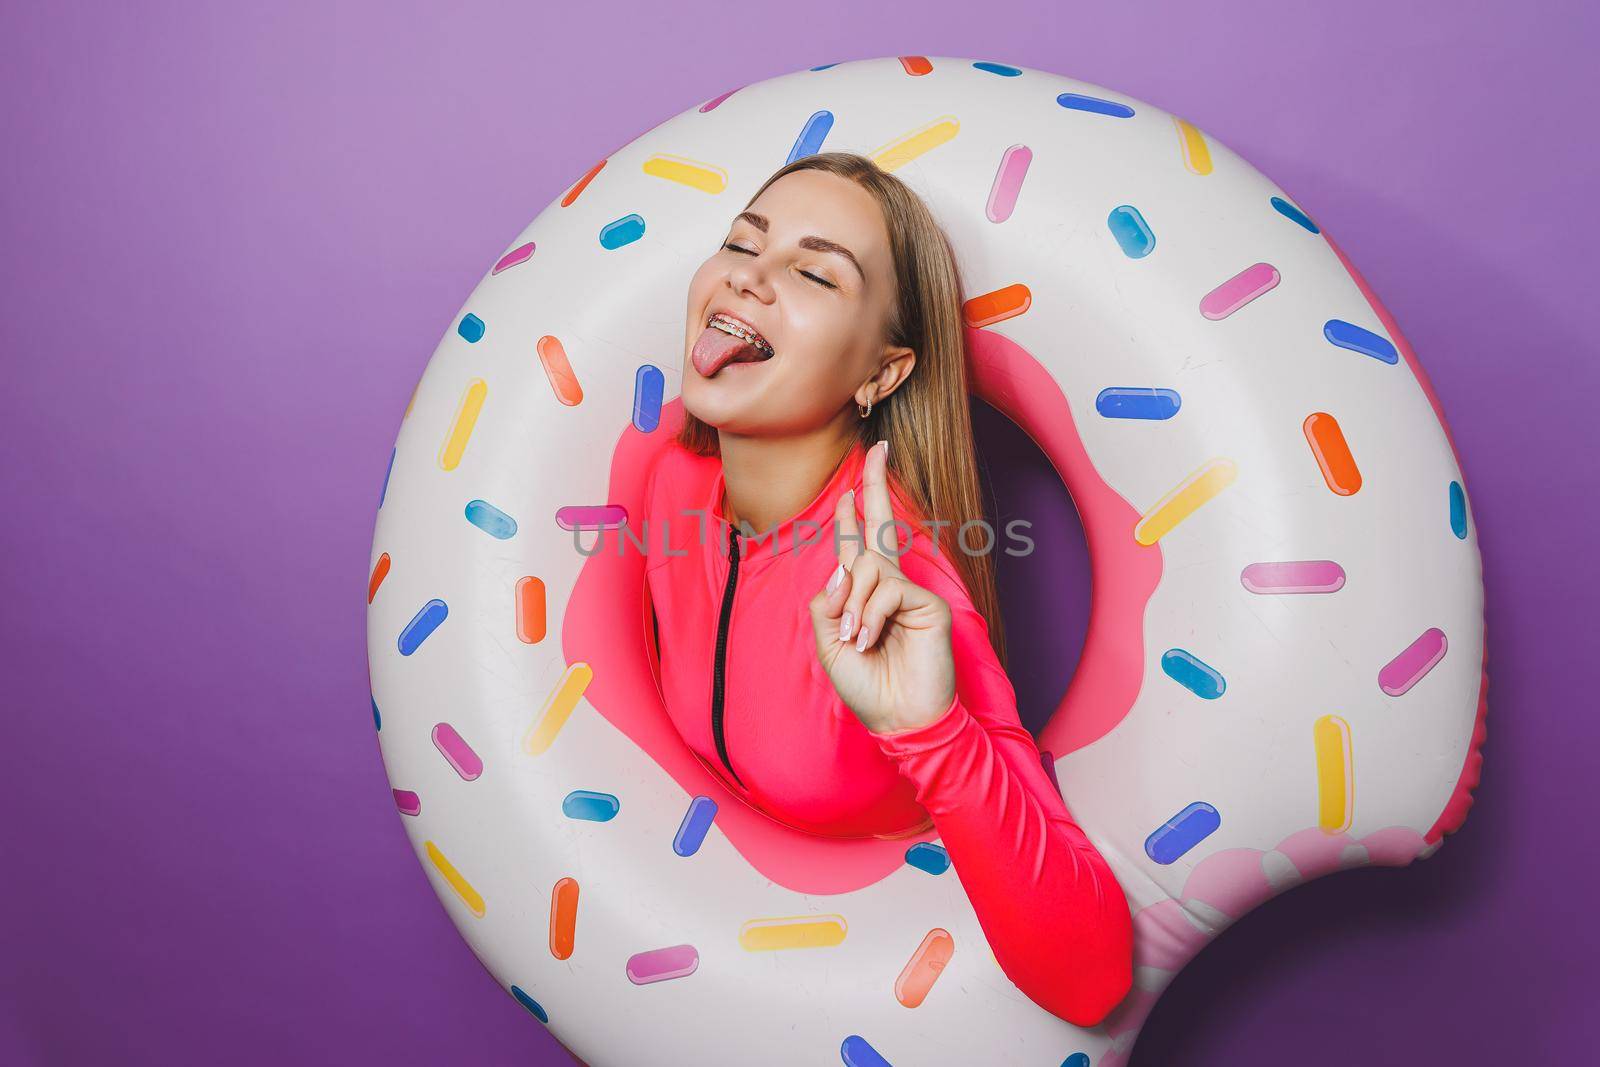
(715, 350)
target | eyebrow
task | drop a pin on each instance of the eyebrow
(812, 242)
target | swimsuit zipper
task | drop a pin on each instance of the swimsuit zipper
(722, 652)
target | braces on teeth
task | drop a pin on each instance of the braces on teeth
(731, 327)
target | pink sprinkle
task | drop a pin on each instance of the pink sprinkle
(1008, 182)
(457, 752)
(1419, 657)
(408, 802)
(711, 105)
(1238, 291)
(1294, 576)
(513, 257)
(659, 964)
(594, 517)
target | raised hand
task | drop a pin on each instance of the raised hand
(883, 640)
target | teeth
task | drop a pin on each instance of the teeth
(728, 326)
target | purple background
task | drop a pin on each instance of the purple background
(231, 240)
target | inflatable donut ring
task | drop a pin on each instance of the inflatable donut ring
(1284, 670)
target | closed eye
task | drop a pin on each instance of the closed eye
(730, 246)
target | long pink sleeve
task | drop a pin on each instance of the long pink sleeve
(1047, 900)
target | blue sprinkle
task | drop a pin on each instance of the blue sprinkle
(1077, 1059)
(624, 231)
(855, 1052)
(1131, 231)
(1079, 102)
(384, 492)
(926, 856)
(1349, 335)
(825, 66)
(1138, 403)
(377, 720)
(471, 328)
(532, 1005)
(1194, 674)
(812, 134)
(1289, 211)
(594, 807)
(696, 822)
(1458, 510)
(491, 520)
(648, 385)
(999, 68)
(421, 625)
(1182, 832)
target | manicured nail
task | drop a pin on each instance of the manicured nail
(844, 627)
(861, 640)
(885, 444)
(838, 576)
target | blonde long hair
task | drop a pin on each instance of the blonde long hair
(927, 417)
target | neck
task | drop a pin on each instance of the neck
(768, 479)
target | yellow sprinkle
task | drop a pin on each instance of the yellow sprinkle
(902, 150)
(469, 896)
(1336, 786)
(557, 708)
(461, 429)
(702, 176)
(793, 931)
(1212, 478)
(1196, 156)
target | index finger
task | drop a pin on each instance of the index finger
(879, 514)
(848, 540)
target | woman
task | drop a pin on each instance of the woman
(834, 663)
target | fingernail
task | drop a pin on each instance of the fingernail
(885, 444)
(861, 640)
(844, 627)
(838, 576)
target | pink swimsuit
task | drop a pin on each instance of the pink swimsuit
(742, 683)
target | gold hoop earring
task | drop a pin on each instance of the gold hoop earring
(867, 411)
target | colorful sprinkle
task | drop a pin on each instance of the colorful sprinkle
(1193, 673)
(455, 442)
(1187, 496)
(1289, 211)
(380, 571)
(1136, 402)
(1294, 576)
(1330, 736)
(534, 1007)
(471, 328)
(1094, 105)
(582, 183)
(1458, 510)
(856, 1052)
(423, 623)
(924, 967)
(530, 610)
(1133, 234)
(648, 386)
(517, 255)
(1332, 452)
(917, 143)
(916, 66)
(1350, 336)
(697, 820)
(1008, 182)
(986, 309)
(377, 719)
(383, 493)
(1411, 665)
(591, 517)
(457, 752)
(563, 918)
(792, 931)
(1238, 291)
(469, 896)
(623, 231)
(590, 806)
(491, 520)
(557, 708)
(687, 172)
(998, 68)
(558, 370)
(812, 136)
(660, 964)
(408, 802)
(1182, 832)
(711, 105)
(927, 856)
(1196, 154)
(1077, 1059)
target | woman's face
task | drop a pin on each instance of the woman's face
(808, 266)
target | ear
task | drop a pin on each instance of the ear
(892, 372)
